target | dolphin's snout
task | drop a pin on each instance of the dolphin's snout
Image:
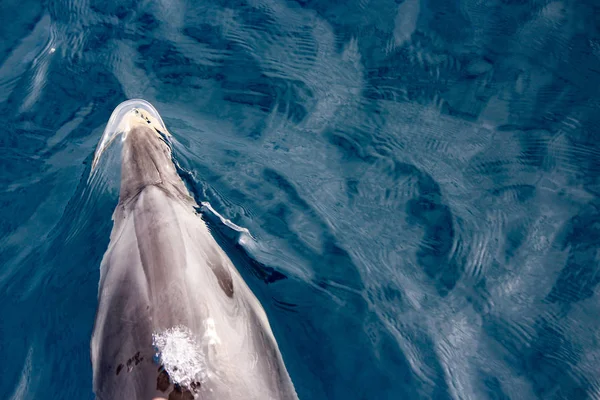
(127, 116)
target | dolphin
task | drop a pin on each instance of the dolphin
(175, 319)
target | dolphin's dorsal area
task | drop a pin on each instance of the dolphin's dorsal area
(175, 319)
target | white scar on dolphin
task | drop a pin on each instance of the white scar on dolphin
(175, 319)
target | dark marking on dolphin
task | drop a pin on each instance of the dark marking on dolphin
(221, 272)
(137, 358)
(162, 380)
(180, 393)
(224, 278)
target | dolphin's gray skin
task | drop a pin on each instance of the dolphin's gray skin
(175, 319)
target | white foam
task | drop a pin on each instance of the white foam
(180, 355)
(225, 221)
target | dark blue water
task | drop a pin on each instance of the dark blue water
(421, 178)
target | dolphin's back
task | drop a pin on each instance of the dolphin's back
(163, 274)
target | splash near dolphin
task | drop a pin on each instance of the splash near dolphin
(175, 319)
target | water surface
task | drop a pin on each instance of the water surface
(420, 178)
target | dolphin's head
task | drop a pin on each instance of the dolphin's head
(146, 155)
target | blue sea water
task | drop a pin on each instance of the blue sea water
(420, 177)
